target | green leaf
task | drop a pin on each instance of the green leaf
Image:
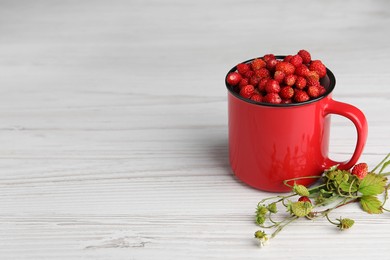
(347, 187)
(301, 208)
(372, 184)
(371, 204)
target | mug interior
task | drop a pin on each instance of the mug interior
(329, 82)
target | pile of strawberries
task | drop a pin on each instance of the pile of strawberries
(294, 79)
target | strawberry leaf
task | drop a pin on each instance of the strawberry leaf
(371, 204)
(301, 208)
(372, 184)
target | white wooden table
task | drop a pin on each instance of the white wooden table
(113, 125)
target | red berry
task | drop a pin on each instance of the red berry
(300, 83)
(247, 91)
(322, 90)
(296, 60)
(254, 80)
(286, 67)
(257, 98)
(249, 74)
(233, 78)
(287, 58)
(258, 64)
(268, 57)
(290, 79)
(312, 75)
(313, 91)
(286, 101)
(302, 70)
(262, 73)
(305, 55)
(271, 64)
(301, 96)
(286, 92)
(317, 66)
(279, 76)
(312, 82)
(243, 68)
(272, 98)
(360, 170)
(243, 82)
(304, 199)
(272, 86)
(262, 84)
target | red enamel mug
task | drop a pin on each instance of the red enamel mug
(270, 143)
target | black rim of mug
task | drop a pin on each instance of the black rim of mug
(329, 88)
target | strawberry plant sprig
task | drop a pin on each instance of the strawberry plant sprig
(336, 188)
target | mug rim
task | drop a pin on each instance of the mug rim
(329, 73)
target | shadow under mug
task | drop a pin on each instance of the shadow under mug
(270, 143)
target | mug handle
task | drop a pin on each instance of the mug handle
(359, 120)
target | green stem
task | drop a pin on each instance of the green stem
(334, 223)
(285, 182)
(282, 226)
(376, 167)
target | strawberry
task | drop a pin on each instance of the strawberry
(243, 82)
(233, 78)
(360, 170)
(300, 83)
(272, 98)
(317, 66)
(301, 96)
(287, 58)
(313, 91)
(304, 199)
(322, 90)
(262, 73)
(279, 76)
(306, 57)
(271, 64)
(249, 74)
(286, 93)
(286, 67)
(247, 91)
(257, 98)
(243, 68)
(268, 57)
(296, 60)
(290, 79)
(262, 84)
(272, 86)
(286, 101)
(312, 75)
(257, 64)
(254, 80)
(302, 70)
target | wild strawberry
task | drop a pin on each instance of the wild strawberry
(296, 60)
(243, 82)
(360, 170)
(287, 58)
(313, 91)
(254, 80)
(271, 64)
(279, 76)
(247, 91)
(257, 98)
(312, 82)
(286, 67)
(272, 86)
(312, 75)
(286, 92)
(317, 66)
(262, 73)
(268, 57)
(300, 83)
(302, 70)
(233, 78)
(304, 199)
(286, 101)
(272, 98)
(262, 84)
(258, 64)
(306, 57)
(243, 68)
(290, 79)
(301, 96)
(249, 74)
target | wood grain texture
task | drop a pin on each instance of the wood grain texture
(113, 125)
